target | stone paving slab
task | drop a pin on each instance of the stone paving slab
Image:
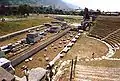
(35, 74)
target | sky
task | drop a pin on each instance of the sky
(103, 5)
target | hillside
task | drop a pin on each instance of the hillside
(16, 2)
(57, 3)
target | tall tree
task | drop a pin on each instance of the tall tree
(24, 9)
(2, 9)
(99, 12)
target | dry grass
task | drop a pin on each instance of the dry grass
(102, 63)
(13, 26)
(73, 19)
(9, 27)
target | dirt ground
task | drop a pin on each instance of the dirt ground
(12, 56)
(39, 58)
(106, 25)
(85, 47)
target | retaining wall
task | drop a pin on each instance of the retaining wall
(8, 36)
(38, 48)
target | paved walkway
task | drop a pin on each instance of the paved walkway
(34, 75)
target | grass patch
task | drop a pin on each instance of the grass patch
(8, 16)
(73, 19)
(13, 26)
(102, 63)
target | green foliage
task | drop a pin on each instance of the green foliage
(24, 9)
(72, 19)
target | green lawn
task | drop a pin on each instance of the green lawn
(9, 27)
(73, 19)
(8, 16)
(13, 26)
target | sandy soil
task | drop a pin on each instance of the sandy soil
(85, 47)
(106, 25)
(39, 58)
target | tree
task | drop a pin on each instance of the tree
(24, 9)
(98, 11)
(81, 13)
(2, 9)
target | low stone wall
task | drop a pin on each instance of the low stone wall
(8, 36)
(38, 48)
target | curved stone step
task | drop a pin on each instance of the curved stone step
(86, 73)
(115, 43)
(95, 78)
(118, 33)
(115, 39)
(109, 42)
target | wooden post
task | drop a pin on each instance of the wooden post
(75, 64)
(27, 78)
(51, 74)
(26, 74)
(93, 55)
(71, 71)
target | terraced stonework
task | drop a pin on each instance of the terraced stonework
(90, 73)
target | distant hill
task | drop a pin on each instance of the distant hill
(72, 6)
(57, 3)
(17, 2)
